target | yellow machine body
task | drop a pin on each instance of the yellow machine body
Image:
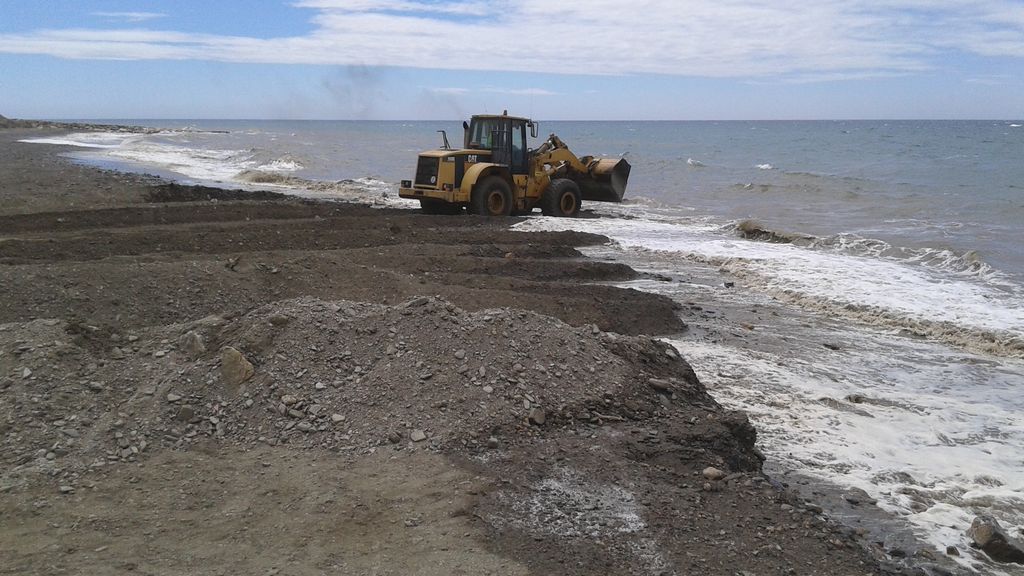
(495, 150)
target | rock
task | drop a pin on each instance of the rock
(986, 534)
(336, 418)
(492, 442)
(26, 373)
(713, 474)
(418, 436)
(857, 496)
(185, 414)
(279, 319)
(663, 386)
(394, 437)
(488, 389)
(460, 354)
(116, 353)
(304, 426)
(537, 416)
(952, 551)
(172, 397)
(192, 344)
(65, 489)
(289, 400)
(234, 368)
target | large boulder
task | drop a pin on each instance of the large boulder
(987, 535)
(234, 369)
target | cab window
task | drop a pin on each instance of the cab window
(519, 147)
(481, 133)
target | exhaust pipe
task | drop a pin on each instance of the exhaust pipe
(605, 180)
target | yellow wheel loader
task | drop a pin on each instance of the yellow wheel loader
(495, 174)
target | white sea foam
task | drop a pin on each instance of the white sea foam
(148, 150)
(765, 166)
(197, 163)
(927, 441)
(282, 165)
(98, 140)
(695, 163)
(881, 291)
(190, 153)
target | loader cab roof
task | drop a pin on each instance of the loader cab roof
(501, 116)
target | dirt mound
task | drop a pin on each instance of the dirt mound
(172, 192)
(338, 375)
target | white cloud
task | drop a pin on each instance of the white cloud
(456, 91)
(522, 91)
(709, 38)
(449, 91)
(130, 16)
(464, 8)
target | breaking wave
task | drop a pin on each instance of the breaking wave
(985, 340)
(968, 264)
(922, 293)
(363, 190)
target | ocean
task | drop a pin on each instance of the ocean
(879, 265)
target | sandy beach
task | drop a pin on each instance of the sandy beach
(204, 381)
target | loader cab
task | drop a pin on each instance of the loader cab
(504, 136)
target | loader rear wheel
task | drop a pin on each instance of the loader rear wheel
(439, 207)
(491, 197)
(562, 198)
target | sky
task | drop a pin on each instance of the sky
(553, 60)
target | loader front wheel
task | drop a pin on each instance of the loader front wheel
(562, 198)
(491, 197)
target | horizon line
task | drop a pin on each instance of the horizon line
(212, 119)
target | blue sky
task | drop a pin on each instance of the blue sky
(600, 59)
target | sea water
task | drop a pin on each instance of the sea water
(889, 253)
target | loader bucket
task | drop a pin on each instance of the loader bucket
(606, 181)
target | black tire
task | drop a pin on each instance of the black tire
(562, 198)
(439, 207)
(491, 197)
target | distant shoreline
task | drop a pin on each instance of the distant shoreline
(10, 123)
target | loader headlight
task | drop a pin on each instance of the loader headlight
(406, 183)
(433, 179)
